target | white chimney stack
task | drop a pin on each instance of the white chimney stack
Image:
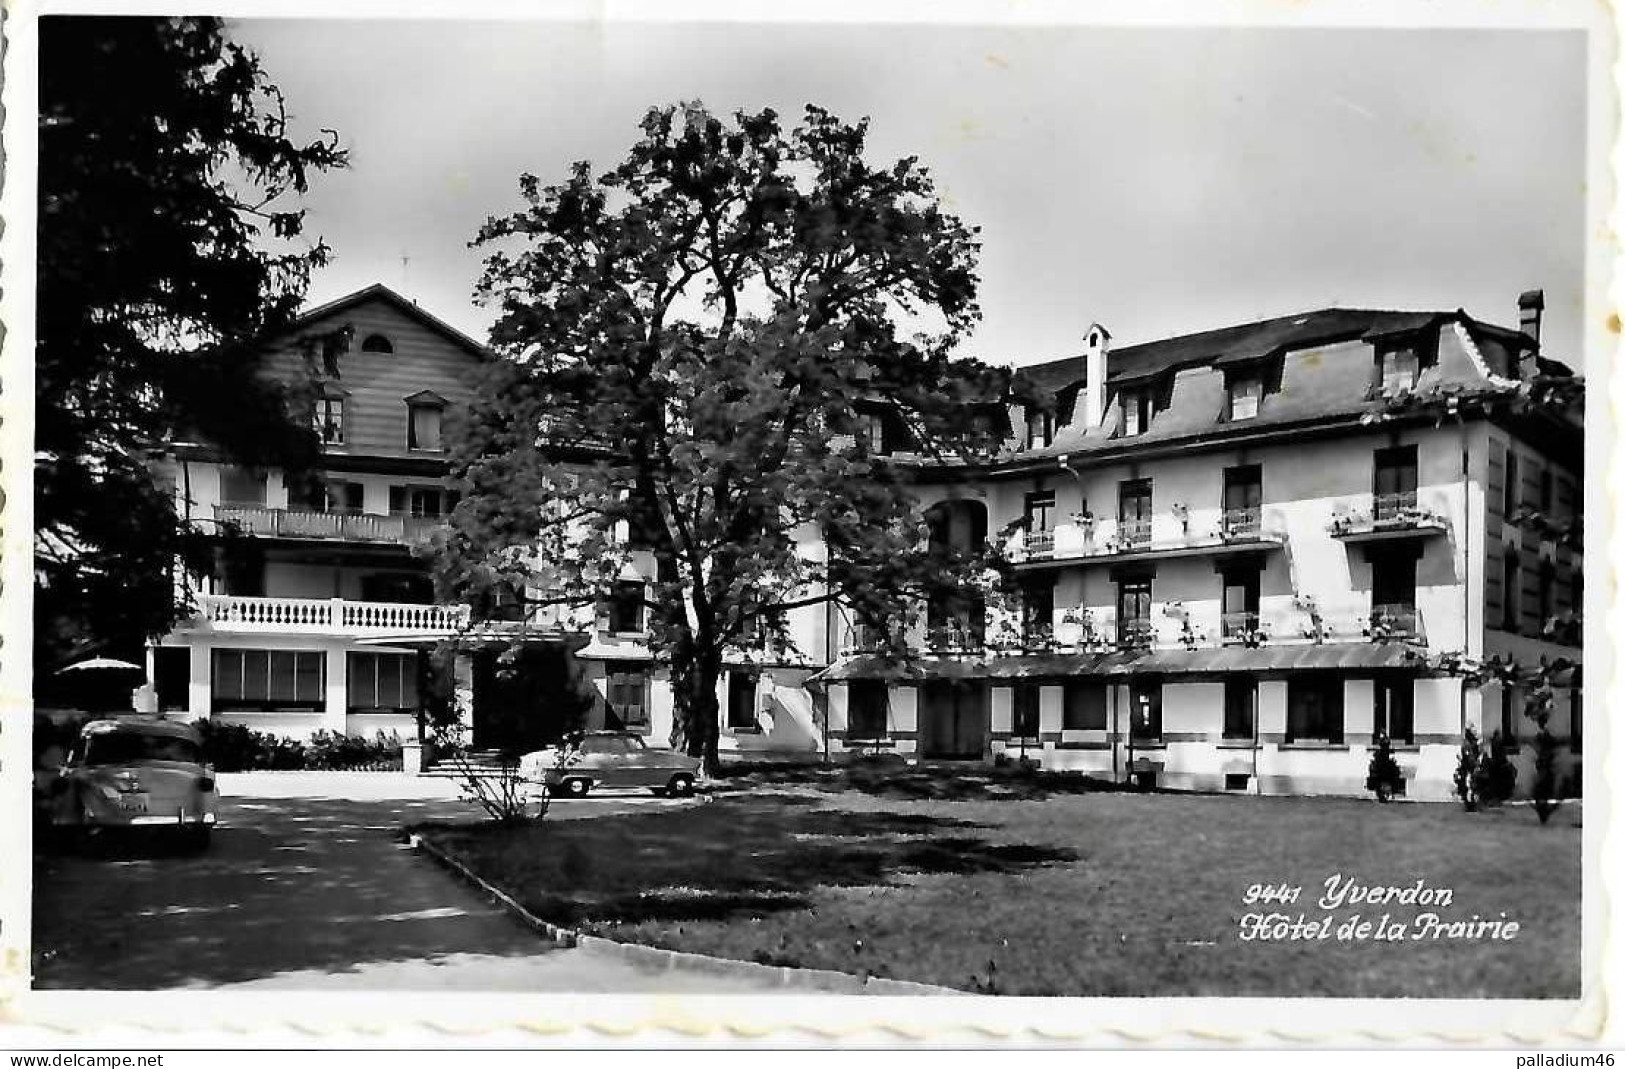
(1093, 395)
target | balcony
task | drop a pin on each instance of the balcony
(328, 616)
(262, 522)
(1135, 634)
(1391, 517)
(955, 638)
(862, 638)
(1395, 623)
(1241, 628)
(1037, 636)
(1111, 541)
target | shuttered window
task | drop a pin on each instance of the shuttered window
(268, 679)
(383, 682)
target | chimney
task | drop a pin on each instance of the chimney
(1093, 395)
(1530, 305)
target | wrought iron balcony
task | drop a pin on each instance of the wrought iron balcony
(1134, 533)
(1240, 627)
(1039, 543)
(1392, 516)
(1395, 622)
(955, 638)
(1241, 523)
(1037, 636)
(1135, 634)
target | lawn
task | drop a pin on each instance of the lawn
(987, 887)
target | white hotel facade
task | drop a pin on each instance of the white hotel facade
(1233, 558)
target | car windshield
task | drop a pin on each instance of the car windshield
(125, 747)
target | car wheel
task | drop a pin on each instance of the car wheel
(681, 785)
(577, 787)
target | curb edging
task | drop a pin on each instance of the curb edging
(827, 981)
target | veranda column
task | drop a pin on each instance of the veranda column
(334, 708)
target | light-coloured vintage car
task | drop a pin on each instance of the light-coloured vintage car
(610, 759)
(136, 772)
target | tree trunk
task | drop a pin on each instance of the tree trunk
(694, 691)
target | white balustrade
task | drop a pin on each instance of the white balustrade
(233, 612)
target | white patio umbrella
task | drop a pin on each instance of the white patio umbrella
(103, 663)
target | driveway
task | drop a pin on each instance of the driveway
(308, 885)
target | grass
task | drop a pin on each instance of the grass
(1071, 893)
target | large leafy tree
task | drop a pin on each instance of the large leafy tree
(707, 352)
(169, 241)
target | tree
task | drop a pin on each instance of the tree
(705, 359)
(165, 249)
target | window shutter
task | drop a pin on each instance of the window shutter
(1495, 487)
(1494, 595)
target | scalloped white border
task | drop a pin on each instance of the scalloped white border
(195, 1018)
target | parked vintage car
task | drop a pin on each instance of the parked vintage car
(135, 772)
(610, 759)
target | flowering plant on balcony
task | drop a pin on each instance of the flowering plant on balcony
(1085, 522)
(1182, 513)
(1390, 623)
(1316, 630)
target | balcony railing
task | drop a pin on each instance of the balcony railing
(1040, 543)
(1397, 515)
(863, 638)
(1389, 508)
(1134, 532)
(332, 526)
(1241, 523)
(236, 612)
(955, 638)
(1395, 621)
(1135, 634)
(1037, 636)
(1239, 626)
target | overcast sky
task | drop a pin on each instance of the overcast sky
(1160, 181)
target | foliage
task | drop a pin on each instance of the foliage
(1544, 790)
(706, 357)
(498, 787)
(169, 240)
(239, 748)
(1383, 776)
(1496, 777)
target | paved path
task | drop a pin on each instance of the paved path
(308, 885)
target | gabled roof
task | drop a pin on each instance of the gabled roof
(380, 292)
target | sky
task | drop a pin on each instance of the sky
(1159, 181)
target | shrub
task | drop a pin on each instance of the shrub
(238, 748)
(1383, 777)
(1497, 776)
(1468, 760)
(1544, 790)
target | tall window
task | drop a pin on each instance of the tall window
(626, 608)
(1145, 711)
(1240, 707)
(1511, 708)
(1393, 588)
(1138, 408)
(269, 680)
(1245, 395)
(1039, 509)
(1134, 511)
(383, 682)
(1083, 705)
(741, 701)
(1239, 601)
(242, 486)
(1314, 709)
(871, 432)
(1037, 610)
(1040, 428)
(1394, 710)
(1394, 481)
(1511, 491)
(627, 693)
(329, 420)
(430, 501)
(1134, 612)
(423, 425)
(1511, 589)
(1024, 711)
(1243, 499)
(866, 709)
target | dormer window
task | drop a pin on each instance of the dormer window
(377, 343)
(1245, 394)
(424, 415)
(1400, 369)
(1138, 407)
(871, 431)
(328, 419)
(1040, 428)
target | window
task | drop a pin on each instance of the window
(1240, 708)
(1236, 781)
(267, 680)
(1394, 711)
(1134, 511)
(1243, 500)
(1024, 711)
(866, 709)
(1314, 709)
(1511, 592)
(429, 501)
(423, 426)
(1038, 611)
(377, 343)
(1546, 491)
(1040, 428)
(328, 420)
(125, 747)
(1138, 408)
(242, 486)
(1083, 706)
(871, 431)
(1239, 601)
(741, 701)
(1145, 711)
(334, 496)
(1510, 491)
(1510, 708)
(1134, 612)
(1393, 588)
(1039, 511)
(1245, 394)
(626, 608)
(1394, 481)
(627, 693)
(383, 682)
(1399, 369)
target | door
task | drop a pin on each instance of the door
(953, 721)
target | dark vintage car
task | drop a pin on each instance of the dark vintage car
(610, 759)
(134, 772)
